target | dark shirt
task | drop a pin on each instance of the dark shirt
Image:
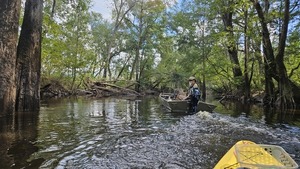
(192, 90)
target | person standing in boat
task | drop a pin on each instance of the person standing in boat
(193, 95)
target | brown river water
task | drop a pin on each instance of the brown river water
(117, 133)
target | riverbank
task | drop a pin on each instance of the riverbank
(93, 89)
(98, 90)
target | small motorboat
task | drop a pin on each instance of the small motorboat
(169, 101)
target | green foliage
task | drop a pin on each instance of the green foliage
(66, 52)
(292, 56)
(159, 45)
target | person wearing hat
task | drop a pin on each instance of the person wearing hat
(193, 95)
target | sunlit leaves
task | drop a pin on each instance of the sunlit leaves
(171, 40)
(292, 56)
(66, 48)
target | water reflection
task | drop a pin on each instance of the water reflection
(129, 133)
(75, 126)
(268, 115)
(18, 134)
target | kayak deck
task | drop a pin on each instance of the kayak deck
(247, 154)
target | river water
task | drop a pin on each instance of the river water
(134, 133)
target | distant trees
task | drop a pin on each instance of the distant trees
(253, 35)
(121, 8)
(145, 24)
(123, 48)
(67, 52)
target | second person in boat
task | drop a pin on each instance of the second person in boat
(193, 95)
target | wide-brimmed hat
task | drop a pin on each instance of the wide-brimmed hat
(192, 78)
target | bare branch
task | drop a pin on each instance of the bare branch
(294, 69)
(53, 8)
(294, 7)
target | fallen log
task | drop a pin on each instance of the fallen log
(121, 88)
(54, 89)
(104, 89)
(84, 92)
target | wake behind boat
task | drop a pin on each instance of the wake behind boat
(170, 102)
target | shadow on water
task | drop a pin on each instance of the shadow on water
(132, 133)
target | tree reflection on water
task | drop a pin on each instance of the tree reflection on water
(18, 134)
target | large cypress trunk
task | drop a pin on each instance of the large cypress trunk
(285, 85)
(274, 66)
(269, 57)
(270, 96)
(9, 24)
(29, 58)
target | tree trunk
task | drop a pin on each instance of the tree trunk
(9, 25)
(123, 68)
(106, 64)
(105, 72)
(247, 85)
(137, 68)
(29, 58)
(137, 51)
(275, 67)
(284, 84)
(270, 97)
(203, 87)
(232, 49)
(259, 57)
(203, 95)
(269, 59)
(53, 8)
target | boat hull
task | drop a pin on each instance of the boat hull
(173, 105)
